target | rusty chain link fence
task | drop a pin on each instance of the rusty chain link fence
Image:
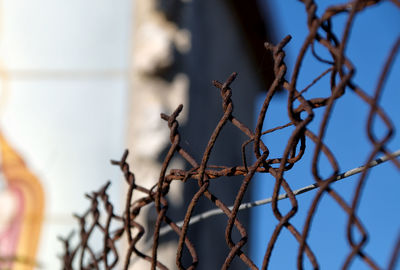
(102, 221)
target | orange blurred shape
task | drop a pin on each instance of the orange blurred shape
(21, 216)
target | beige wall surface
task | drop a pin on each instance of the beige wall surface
(64, 83)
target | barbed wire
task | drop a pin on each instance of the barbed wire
(124, 227)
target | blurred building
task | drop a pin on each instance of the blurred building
(64, 81)
(179, 48)
(82, 80)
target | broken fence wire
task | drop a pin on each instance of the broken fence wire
(124, 227)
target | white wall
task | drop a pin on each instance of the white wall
(65, 104)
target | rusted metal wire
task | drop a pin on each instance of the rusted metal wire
(99, 217)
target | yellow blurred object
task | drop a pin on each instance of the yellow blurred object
(26, 187)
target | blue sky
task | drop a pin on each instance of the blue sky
(372, 36)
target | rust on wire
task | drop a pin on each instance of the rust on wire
(98, 218)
